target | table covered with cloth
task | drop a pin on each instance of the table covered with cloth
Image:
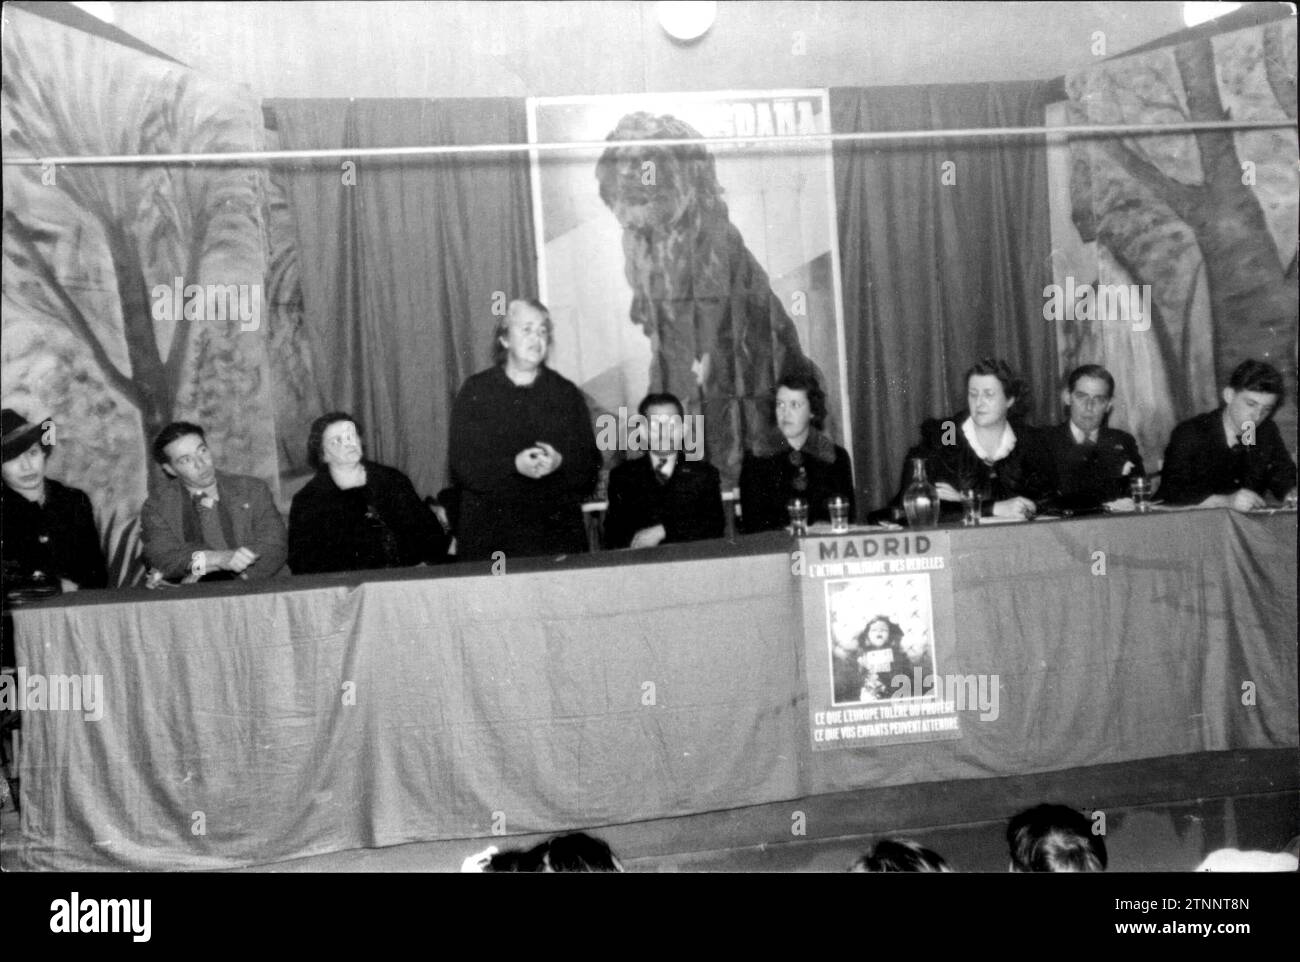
(244, 724)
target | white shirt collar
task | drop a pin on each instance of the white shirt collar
(1080, 437)
(209, 492)
(1229, 435)
(1005, 445)
(669, 460)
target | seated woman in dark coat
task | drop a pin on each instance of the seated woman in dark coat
(356, 514)
(48, 542)
(798, 461)
(48, 527)
(985, 448)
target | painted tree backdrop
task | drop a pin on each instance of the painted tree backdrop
(1208, 220)
(84, 248)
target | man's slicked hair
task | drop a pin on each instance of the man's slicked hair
(1260, 377)
(660, 399)
(1091, 370)
(173, 432)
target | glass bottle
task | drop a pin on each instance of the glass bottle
(921, 499)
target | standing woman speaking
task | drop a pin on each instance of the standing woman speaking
(523, 453)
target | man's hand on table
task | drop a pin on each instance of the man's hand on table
(649, 537)
(1243, 499)
(1016, 507)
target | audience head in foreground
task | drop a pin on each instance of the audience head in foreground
(575, 852)
(1054, 838)
(900, 855)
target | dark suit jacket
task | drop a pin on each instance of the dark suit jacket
(689, 505)
(255, 520)
(1199, 463)
(1087, 476)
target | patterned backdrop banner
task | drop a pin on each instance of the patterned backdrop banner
(706, 271)
(878, 629)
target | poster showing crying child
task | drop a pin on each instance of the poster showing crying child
(876, 658)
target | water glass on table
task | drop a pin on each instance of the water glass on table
(798, 510)
(839, 511)
(1140, 490)
(970, 507)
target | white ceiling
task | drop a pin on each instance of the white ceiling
(476, 49)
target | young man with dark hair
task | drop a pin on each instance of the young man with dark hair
(1093, 462)
(1231, 457)
(1054, 838)
(663, 497)
(208, 525)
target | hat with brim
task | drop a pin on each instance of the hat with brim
(18, 434)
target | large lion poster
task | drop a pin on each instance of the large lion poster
(706, 271)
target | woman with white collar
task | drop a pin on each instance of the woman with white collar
(985, 447)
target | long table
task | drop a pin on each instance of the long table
(248, 724)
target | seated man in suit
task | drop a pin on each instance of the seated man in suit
(1231, 457)
(1093, 462)
(663, 497)
(207, 525)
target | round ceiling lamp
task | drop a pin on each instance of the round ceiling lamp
(686, 20)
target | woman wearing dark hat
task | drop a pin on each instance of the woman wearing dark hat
(49, 528)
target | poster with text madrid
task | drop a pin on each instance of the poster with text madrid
(705, 268)
(878, 629)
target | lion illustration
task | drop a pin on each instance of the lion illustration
(720, 338)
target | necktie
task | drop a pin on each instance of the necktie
(661, 470)
(1240, 463)
(211, 523)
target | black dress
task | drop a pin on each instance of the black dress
(770, 478)
(1025, 472)
(382, 524)
(500, 509)
(58, 538)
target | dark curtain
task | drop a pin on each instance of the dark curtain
(937, 275)
(404, 260)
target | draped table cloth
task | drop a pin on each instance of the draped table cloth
(245, 725)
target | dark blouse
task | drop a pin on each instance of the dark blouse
(500, 509)
(382, 524)
(58, 538)
(1026, 472)
(815, 473)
